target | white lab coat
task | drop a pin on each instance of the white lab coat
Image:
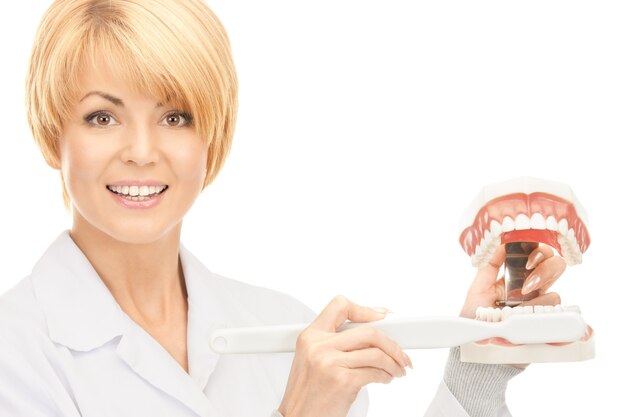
(68, 350)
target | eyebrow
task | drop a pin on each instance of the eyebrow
(117, 101)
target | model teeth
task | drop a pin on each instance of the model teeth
(537, 222)
(551, 224)
(491, 314)
(137, 193)
(522, 222)
(566, 236)
(508, 225)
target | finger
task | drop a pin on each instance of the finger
(497, 259)
(549, 299)
(488, 274)
(363, 337)
(544, 275)
(341, 309)
(363, 376)
(373, 358)
(499, 289)
(540, 253)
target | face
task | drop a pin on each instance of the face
(133, 166)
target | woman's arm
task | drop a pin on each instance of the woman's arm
(478, 390)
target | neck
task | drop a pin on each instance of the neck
(145, 279)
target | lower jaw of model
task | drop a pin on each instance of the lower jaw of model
(500, 351)
(525, 210)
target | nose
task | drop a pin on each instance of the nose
(140, 146)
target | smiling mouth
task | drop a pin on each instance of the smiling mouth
(136, 192)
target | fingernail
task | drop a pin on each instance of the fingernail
(532, 262)
(530, 284)
(382, 310)
(407, 361)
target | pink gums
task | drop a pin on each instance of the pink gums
(519, 203)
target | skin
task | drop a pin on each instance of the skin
(135, 252)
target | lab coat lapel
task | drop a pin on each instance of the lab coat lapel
(145, 356)
(208, 301)
(154, 364)
(80, 311)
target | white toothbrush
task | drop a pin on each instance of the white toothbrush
(415, 333)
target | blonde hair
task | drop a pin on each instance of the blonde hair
(176, 50)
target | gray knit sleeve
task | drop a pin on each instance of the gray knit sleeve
(479, 388)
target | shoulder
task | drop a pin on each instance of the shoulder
(23, 328)
(25, 349)
(20, 314)
(276, 306)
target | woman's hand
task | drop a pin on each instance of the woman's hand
(330, 368)
(487, 288)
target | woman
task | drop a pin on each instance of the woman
(134, 102)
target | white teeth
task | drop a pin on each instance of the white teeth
(573, 309)
(144, 190)
(137, 191)
(496, 229)
(490, 314)
(483, 245)
(522, 222)
(506, 312)
(551, 224)
(508, 224)
(488, 244)
(482, 313)
(537, 221)
(570, 248)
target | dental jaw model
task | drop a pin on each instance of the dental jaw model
(520, 214)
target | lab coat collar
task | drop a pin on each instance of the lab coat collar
(82, 314)
(80, 311)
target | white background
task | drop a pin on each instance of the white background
(365, 130)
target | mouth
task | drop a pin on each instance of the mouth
(137, 192)
(525, 210)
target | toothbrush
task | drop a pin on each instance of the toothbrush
(415, 333)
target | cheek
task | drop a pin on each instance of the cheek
(190, 161)
(79, 161)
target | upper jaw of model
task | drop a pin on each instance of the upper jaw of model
(525, 210)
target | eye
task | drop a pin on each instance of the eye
(101, 119)
(178, 119)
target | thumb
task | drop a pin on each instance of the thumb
(341, 309)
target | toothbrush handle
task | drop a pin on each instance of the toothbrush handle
(415, 333)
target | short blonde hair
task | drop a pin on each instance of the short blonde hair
(175, 50)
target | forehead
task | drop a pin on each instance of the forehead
(99, 74)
